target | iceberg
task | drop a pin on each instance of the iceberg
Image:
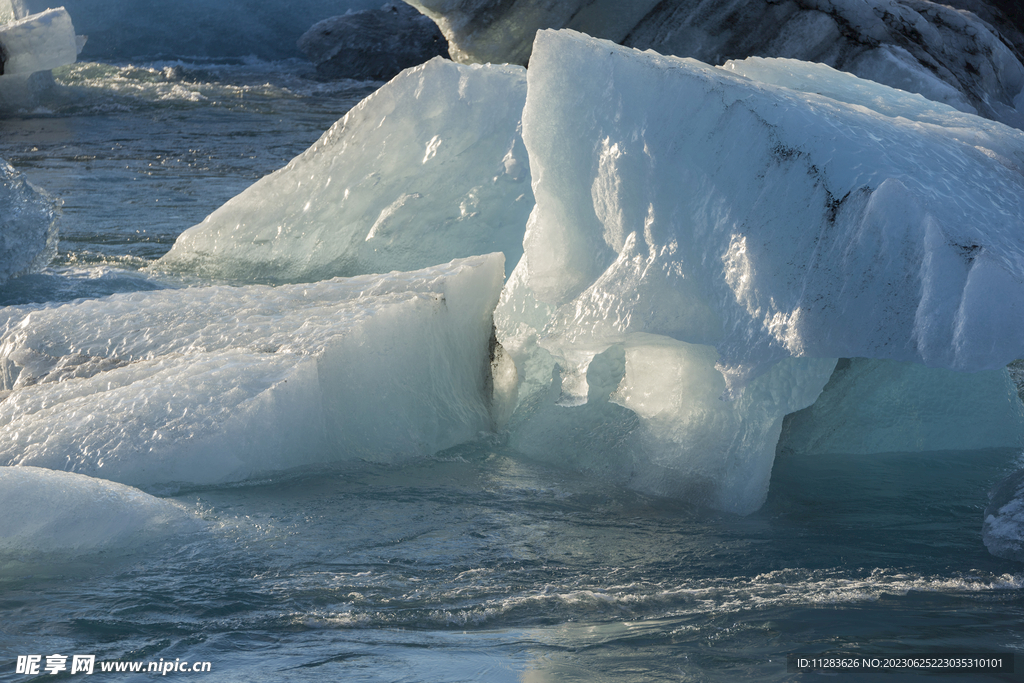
(714, 242)
(28, 225)
(372, 44)
(429, 168)
(1003, 529)
(52, 518)
(946, 54)
(39, 42)
(218, 384)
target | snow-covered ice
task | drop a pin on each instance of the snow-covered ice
(429, 168)
(217, 384)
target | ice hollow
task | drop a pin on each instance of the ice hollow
(931, 48)
(703, 235)
(218, 384)
(429, 168)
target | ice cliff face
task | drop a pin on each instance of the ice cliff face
(948, 55)
(28, 225)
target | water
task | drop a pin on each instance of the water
(476, 564)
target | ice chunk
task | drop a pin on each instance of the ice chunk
(218, 384)
(429, 168)
(927, 47)
(37, 43)
(55, 517)
(28, 225)
(696, 219)
(377, 43)
(1003, 530)
(781, 221)
(877, 406)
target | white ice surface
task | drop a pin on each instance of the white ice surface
(38, 43)
(218, 384)
(429, 168)
(47, 512)
(28, 225)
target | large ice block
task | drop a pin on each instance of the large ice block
(695, 220)
(37, 43)
(429, 168)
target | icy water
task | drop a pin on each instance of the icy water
(476, 564)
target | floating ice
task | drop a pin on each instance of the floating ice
(28, 225)
(1003, 530)
(59, 516)
(429, 168)
(926, 47)
(218, 384)
(695, 219)
(39, 42)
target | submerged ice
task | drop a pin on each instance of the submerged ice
(217, 384)
(52, 517)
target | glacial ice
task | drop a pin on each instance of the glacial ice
(39, 42)
(946, 54)
(218, 384)
(376, 44)
(52, 516)
(1003, 529)
(697, 220)
(429, 168)
(28, 225)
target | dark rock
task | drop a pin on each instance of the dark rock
(372, 44)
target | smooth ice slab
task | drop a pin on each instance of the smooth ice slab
(28, 225)
(62, 515)
(218, 384)
(429, 168)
